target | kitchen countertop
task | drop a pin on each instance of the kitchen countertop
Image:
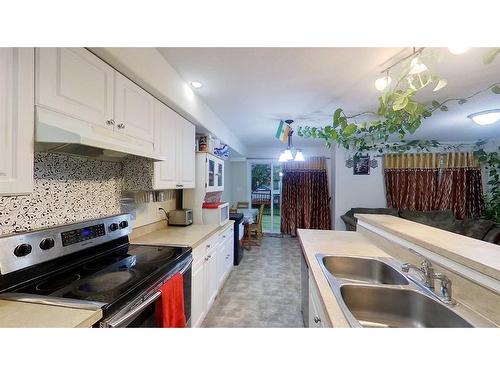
(15, 314)
(334, 243)
(192, 235)
(479, 255)
(351, 244)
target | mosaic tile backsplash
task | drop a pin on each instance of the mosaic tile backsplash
(67, 189)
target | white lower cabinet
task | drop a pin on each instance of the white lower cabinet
(317, 314)
(212, 263)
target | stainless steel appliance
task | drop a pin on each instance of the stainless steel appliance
(238, 235)
(180, 218)
(92, 265)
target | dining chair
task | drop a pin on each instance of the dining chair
(255, 229)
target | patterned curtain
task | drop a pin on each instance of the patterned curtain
(461, 187)
(411, 181)
(305, 201)
(416, 182)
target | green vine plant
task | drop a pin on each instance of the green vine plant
(399, 114)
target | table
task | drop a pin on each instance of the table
(249, 214)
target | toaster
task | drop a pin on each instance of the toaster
(181, 218)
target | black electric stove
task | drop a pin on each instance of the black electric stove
(110, 273)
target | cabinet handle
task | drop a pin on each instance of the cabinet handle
(208, 246)
(121, 125)
(110, 122)
(317, 319)
(206, 258)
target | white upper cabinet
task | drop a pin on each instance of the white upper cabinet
(166, 136)
(187, 168)
(214, 179)
(76, 83)
(16, 120)
(174, 140)
(134, 109)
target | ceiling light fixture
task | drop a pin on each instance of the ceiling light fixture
(383, 82)
(287, 154)
(458, 50)
(485, 117)
(416, 67)
(197, 85)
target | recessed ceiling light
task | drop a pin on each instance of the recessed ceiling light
(196, 84)
(458, 50)
(486, 117)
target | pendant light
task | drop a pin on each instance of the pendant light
(287, 154)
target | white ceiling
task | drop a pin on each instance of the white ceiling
(250, 89)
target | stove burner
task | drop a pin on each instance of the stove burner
(155, 255)
(102, 263)
(57, 282)
(105, 282)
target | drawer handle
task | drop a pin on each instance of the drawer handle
(317, 319)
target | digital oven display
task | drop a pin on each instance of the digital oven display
(82, 234)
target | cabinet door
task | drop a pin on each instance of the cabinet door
(211, 277)
(198, 298)
(230, 250)
(221, 263)
(210, 180)
(75, 82)
(134, 109)
(220, 175)
(186, 164)
(167, 145)
(16, 120)
(317, 316)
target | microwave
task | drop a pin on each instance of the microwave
(215, 213)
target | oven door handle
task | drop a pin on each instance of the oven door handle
(113, 323)
(118, 322)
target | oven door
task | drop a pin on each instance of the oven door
(140, 313)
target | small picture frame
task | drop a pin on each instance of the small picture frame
(361, 165)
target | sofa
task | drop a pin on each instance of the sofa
(481, 229)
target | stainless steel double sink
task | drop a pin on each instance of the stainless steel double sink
(372, 293)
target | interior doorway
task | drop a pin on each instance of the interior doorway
(265, 189)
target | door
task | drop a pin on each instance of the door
(167, 145)
(134, 109)
(211, 276)
(186, 163)
(16, 120)
(265, 189)
(198, 297)
(75, 82)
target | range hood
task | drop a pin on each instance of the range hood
(58, 133)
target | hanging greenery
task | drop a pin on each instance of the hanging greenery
(491, 162)
(400, 114)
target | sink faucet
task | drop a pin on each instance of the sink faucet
(445, 288)
(425, 269)
(430, 276)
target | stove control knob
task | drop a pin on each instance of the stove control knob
(113, 227)
(47, 243)
(22, 250)
(123, 224)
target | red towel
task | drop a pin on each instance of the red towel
(170, 305)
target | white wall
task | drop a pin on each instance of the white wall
(227, 194)
(148, 68)
(351, 190)
(239, 181)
